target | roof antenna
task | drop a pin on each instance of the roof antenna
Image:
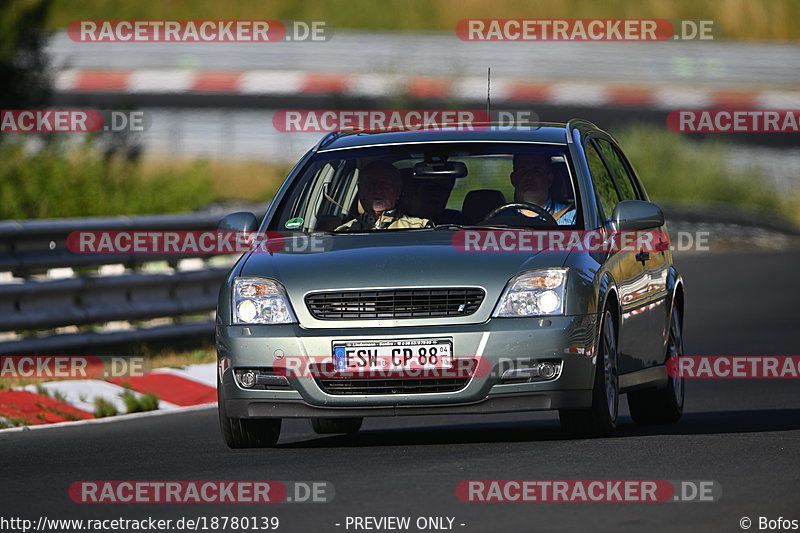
(488, 93)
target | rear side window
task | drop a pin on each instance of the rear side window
(604, 187)
(619, 169)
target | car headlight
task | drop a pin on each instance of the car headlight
(536, 293)
(260, 301)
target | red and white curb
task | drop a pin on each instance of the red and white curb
(283, 82)
(73, 400)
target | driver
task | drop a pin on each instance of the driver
(379, 188)
(532, 178)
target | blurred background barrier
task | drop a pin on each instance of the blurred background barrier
(53, 299)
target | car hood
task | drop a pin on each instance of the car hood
(389, 260)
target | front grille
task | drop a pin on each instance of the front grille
(394, 303)
(391, 386)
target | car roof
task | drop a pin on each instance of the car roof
(549, 133)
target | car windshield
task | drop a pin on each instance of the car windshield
(418, 186)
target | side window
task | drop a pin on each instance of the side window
(619, 169)
(307, 201)
(604, 187)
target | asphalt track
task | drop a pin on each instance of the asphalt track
(743, 434)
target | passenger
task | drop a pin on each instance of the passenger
(379, 188)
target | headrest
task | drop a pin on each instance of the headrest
(479, 203)
(561, 191)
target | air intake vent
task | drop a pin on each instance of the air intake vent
(391, 386)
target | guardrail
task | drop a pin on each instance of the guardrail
(52, 299)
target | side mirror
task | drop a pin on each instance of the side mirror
(634, 215)
(242, 221)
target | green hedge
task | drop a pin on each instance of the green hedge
(679, 169)
(57, 181)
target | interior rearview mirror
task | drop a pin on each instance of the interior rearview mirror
(448, 169)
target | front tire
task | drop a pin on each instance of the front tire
(336, 425)
(662, 406)
(599, 420)
(246, 432)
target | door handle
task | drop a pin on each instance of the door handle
(643, 256)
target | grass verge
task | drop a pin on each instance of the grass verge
(104, 408)
(78, 181)
(139, 403)
(61, 181)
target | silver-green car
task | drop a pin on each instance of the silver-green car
(405, 274)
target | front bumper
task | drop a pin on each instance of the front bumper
(569, 340)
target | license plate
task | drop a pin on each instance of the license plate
(412, 354)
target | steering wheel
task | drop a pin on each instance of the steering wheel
(539, 210)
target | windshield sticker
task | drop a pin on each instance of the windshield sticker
(294, 223)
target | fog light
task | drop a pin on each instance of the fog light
(547, 370)
(247, 379)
